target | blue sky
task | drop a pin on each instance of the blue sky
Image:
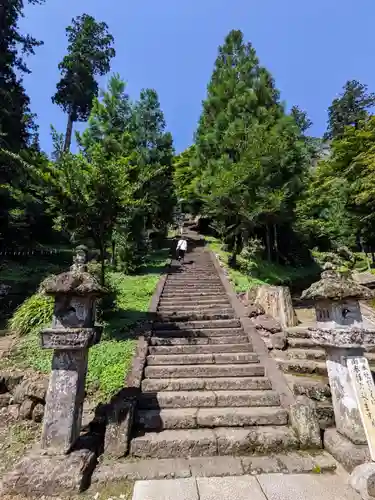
(311, 47)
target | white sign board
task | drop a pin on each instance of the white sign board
(364, 389)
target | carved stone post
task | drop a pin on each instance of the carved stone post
(71, 334)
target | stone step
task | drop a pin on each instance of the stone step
(318, 390)
(183, 301)
(197, 315)
(172, 341)
(291, 462)
(298, 332)
(203, 359)
(192, 279)
(193, 286)
(326, 416)
(207, 399)
(186, 371)
(193, 418)
(208, 384)
(202, 332)
(301, 343)
(196, 306)
(211, 442)
(200, 349)
(210, 324)
(313, 354)
(302, 366)
(193, 294)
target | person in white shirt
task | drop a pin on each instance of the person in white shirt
(181, 249)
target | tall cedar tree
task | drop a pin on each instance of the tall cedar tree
(350, 108)
(155, 148)
(90, 51)
(249, 154)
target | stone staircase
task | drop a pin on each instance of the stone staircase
(204, 391)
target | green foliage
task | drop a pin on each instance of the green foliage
(33, 314)
(90, 51)
(349, 109)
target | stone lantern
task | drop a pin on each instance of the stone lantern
(345, 336)
(71, 334)
(336, 300)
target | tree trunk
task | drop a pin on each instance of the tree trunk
(113, 260)
(268, 243)
(69, 133)
(275, 242)
(102, 263)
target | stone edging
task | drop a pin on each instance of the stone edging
(273, 371)
(121, 411)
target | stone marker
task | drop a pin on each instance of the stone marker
(72, 334)
(364, 390)
(57, 465)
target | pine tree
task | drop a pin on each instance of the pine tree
(349, 109)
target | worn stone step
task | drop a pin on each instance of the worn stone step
(189, 306)
(188, 278)
(193, 294)
(203, 359)
(313, 354)
(302, 366)
(289, 462)
(301, 343)
(183, 371)
(192, 418)
(184, 301)
(188, 292)
(189, 325)
(200, 349)
(318, 390)
(193, 286)
(196, 315)
(171, 341)
(207, 399)
(201, 332)
(211, 442)
(298, 332)
(326, 415)
(208, 384)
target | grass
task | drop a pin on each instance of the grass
(251, 273)
(110, 360)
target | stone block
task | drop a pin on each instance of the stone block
(277, 303)
(9, 380)
(304, 421)
(347, 453)
(215, 466)
(51, 475)
(34, 388)
(119, 423)
(268, 323)
(362, 480)
(262, 465)
(5, 399)
(145, 469)
(251, 311)
(38, 412)
(279, 340)
(26, 409)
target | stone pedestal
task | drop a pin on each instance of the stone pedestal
(351, 382)
(64, 401)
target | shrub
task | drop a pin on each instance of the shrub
(34, 313)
